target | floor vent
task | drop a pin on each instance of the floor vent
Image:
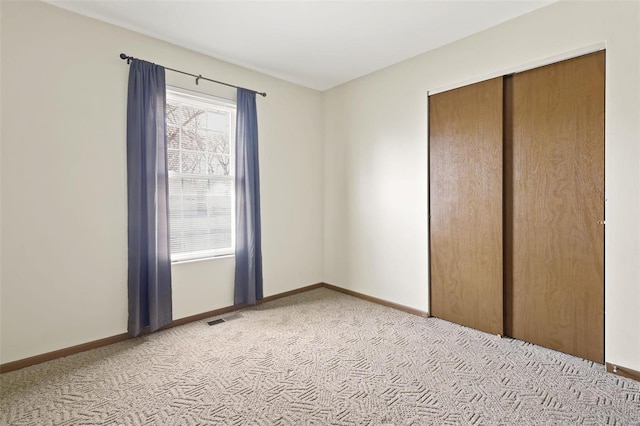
(225, 319)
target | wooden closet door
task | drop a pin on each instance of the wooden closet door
(465, 204)
(554, 283)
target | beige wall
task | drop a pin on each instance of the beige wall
(376, 181)
(63, 177)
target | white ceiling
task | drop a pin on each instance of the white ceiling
(318, 44)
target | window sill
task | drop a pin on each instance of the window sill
(200, 259)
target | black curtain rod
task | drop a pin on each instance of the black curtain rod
(198, 77)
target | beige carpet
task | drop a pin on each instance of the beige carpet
(319, 358)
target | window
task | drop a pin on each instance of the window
(200, 150)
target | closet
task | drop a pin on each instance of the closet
(516, 205)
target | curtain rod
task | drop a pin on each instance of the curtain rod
(198, 77)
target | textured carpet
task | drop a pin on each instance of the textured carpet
(319, 357)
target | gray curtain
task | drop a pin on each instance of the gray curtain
(149, 280)
(248, 278)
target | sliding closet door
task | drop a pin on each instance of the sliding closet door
(554, 283)
(465, 203)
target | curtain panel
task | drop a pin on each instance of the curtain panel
(149, 274)
(248, 272)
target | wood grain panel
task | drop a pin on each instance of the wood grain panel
(465, 203)
(557, 279)
(507, 205)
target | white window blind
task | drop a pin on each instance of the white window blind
(200, 149)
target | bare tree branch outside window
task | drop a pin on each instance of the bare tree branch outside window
(202, 151)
